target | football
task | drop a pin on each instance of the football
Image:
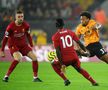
(51, 55)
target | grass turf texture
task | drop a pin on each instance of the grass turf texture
(21, 78)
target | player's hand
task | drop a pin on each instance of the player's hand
(63, 68)
(87, 53)
(81, 53)
(2, 54)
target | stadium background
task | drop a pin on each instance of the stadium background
(41, 15)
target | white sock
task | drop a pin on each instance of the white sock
(6, 76)
(35, 77)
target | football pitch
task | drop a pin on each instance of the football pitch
(21, 78)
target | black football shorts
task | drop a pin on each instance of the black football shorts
(96, 49)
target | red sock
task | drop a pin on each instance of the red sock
(12, 67)
(57, 69)
(35, 68)
(87, 76)
(56, 62)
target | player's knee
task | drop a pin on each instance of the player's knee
(17, 56)
(104, 58)
(32, 56)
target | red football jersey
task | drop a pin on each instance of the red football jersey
(17, 34)
(64, 39)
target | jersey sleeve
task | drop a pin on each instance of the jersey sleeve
(27, 27)
(28, 34)
(5, 39)
(78, 31)
(29, 39)
(8, 30)
(55, 42)
(75, 38)
(92, 23)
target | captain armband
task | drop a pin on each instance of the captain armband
(6, 34)
(98, 26)
(28, 31)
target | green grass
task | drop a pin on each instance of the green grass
(21, 78)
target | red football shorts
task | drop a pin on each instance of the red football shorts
(24, 50)
(74, 61)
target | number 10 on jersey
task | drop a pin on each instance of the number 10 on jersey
(66, 41)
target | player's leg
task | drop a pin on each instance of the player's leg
(34, 66)
(84, 73)
(57, 68)
(17, 57)
(99, 51)
(104, 58)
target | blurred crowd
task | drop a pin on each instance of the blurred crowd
(47, 9)
(51, 9)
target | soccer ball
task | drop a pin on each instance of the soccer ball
(51, 56)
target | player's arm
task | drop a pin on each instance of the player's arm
(78, 32)
(5, 39)
(78, 35)
(4, 42)
(85, 53)
(29, 38)
(2, 53)
(76, 39)
(81, 45)
(57, 47)
(96, 26)
(59, 54)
